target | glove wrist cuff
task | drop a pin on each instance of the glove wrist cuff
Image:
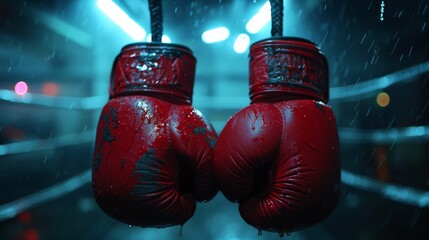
(154, 68)
(293, 66)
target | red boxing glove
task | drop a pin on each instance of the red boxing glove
(153, 152)
(278, 158)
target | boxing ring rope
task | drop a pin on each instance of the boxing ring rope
(397, 193)
(349, 135)
(382, 136)
(11, 209)
(393, 192)
(78, 103)
(48, 144)
(369, 88)
(349, 93)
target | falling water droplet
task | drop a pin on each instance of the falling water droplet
(129, 226)
(259, 232)
(157, 228)
(181, 231)
(382, 5)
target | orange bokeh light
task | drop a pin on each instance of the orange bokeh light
(51, 89)
(383, 99)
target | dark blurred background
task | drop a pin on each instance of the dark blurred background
(55, 61)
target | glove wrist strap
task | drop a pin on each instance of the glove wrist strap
(292, 66)
(154, 68)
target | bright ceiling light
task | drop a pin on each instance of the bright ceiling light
(165, 38)
(118, 16)
(241, 43)
(215, 35)
(257, 22)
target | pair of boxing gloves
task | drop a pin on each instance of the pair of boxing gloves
(156, 155)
